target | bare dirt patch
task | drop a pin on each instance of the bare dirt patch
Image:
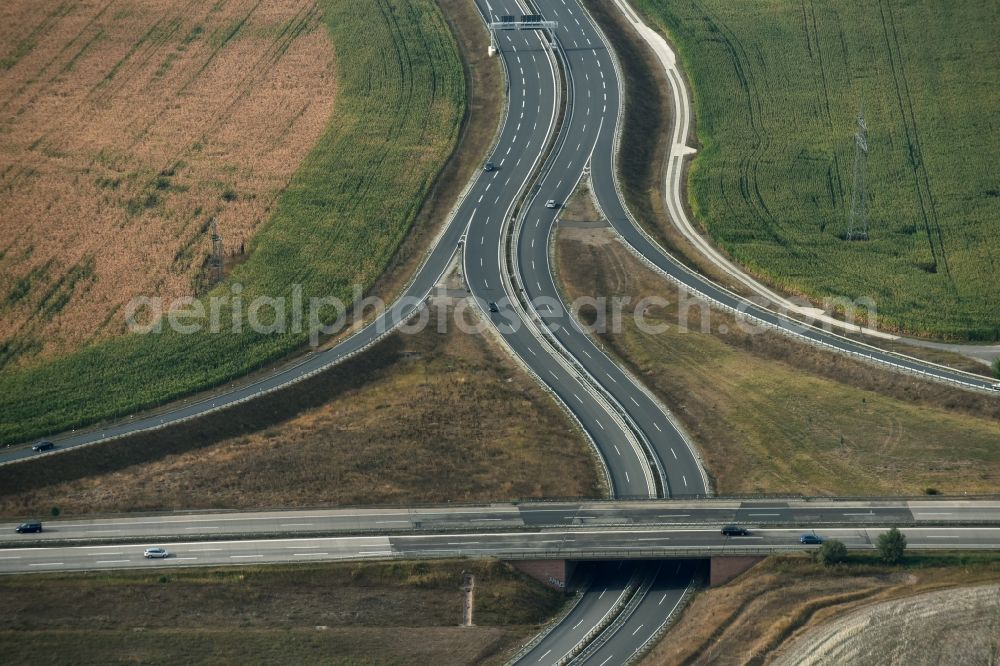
(594, 237)
(580, 209)
(125, 130)
(580, 220)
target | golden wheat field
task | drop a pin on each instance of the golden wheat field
(126, 128)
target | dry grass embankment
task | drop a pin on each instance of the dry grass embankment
(406, 613)
(958, 626)
(772, 415)
(419, 418)
(124, 130)
(746, 620)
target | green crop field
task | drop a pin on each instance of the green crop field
(777, 89)
(399, 107)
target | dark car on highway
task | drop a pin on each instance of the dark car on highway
(811, 539)
(28, 527)
(494, 307)
(43, 446)
(735, 530)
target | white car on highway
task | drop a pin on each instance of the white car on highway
(158, 553)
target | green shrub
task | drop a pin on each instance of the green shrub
(831, 552)
(891, 546)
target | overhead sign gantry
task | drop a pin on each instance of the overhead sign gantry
(524, 22)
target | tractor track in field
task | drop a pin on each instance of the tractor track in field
(921, 180)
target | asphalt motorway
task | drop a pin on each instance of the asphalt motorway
(603, 173)
(593, 113)
(609, 585)
(668, 582)
(608, 543)
(619, 416)
(531, 76)
(705, 513)
(588, 137)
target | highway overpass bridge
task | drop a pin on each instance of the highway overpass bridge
(707, 512)
(542, 536)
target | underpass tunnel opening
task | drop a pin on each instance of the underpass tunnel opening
(571, 576)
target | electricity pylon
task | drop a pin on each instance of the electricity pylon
(857, 218)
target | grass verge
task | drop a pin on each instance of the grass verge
(399, 107)
(746, 620)
(776, 93)
(352, 613)
(419, 418)
(484, 109)
(648, 114)
(773, 416)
